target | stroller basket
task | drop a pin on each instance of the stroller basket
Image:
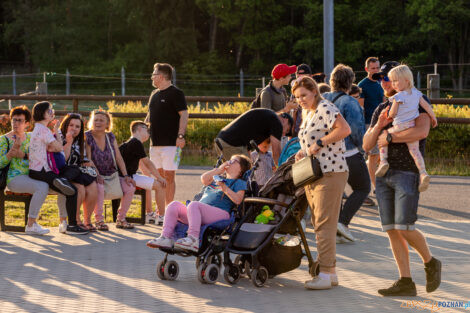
(280, 259)
(250, 235)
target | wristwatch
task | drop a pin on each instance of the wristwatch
(389, 138)
(320, 143)
(180, 136)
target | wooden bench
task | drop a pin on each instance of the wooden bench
(6, 195)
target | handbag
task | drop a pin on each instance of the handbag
(4, 171)
(306, 171)
(112, 184)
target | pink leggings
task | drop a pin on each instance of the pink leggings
(126, 200)
(195, 215)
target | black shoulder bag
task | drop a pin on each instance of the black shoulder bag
(4, 171)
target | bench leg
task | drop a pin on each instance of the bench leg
(115, 204)
(2, 211)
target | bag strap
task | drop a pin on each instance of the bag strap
(8, 146)
(112, 151)
(341, 93)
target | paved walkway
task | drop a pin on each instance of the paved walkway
(111, 271)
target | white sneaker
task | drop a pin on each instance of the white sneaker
(320, 282)
(63, 227)
(159, 220)
(188, 243)
(334, 280)
(382, 170)
(36, 229)
(344, 231)
(150, 218)
(160, 242)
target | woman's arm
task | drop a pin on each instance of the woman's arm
(340, 130)
(68, 146)
(119, 159)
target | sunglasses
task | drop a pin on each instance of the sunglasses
(385, 79)
(233, 161)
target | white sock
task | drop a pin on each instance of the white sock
(324, 276)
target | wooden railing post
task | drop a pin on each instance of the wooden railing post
(75, 105)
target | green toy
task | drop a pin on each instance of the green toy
(265, 216)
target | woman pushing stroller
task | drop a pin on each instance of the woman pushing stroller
(225, 190)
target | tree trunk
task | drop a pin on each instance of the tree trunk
(213, 33)
(110, 33)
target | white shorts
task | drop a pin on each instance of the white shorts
(143, 182)
(164, 157)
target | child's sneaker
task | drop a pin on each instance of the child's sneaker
(188, 243)
(64, 186)
(159, 220)
(382, 170)
(76, 230)
(150, 218)
(36, 229)
(160, 242)
(424, 180)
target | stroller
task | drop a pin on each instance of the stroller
(213, 239)
(259, 255)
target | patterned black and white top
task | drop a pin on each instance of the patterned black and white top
(318, 124)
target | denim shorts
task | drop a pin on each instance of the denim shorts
(397, 195)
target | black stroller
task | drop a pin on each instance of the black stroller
(213, 239)
(259, 255)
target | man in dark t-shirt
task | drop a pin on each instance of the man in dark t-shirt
(168, 117)
(258, 125)
(133, 154)
(398, 195)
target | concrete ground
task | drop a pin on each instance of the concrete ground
(111, 271)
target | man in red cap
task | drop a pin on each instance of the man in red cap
(274, 96)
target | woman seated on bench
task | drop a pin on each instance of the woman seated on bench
(218, 200)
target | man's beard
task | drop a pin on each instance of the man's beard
(391, 93)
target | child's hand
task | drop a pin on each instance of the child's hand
(433, 121)
(56, 126)
(223, 167)
(162, 181)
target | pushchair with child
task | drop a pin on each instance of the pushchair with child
(260, 255)
(213, 238)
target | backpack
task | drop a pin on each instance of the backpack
(257, 102)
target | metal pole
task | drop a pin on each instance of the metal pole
(241, 83)
(14, 82)
(44, 77)
(123, 81)
(435, 68)
(174, 77)
(67, 82)
(418, 80)
(328, 37)
(263, 82)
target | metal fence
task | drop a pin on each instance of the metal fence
(77, 98)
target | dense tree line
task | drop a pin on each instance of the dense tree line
(222, 36)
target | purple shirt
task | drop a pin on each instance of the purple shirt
(103, 159)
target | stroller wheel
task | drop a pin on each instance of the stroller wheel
(171, 270)
(259, 276)
(232, 274)
(211, 273)
(200, 273)
(161, 270)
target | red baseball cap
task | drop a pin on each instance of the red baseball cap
(281, 70)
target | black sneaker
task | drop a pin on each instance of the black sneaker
(64, 186)
(76, 230)
(368, 202)
(433, 274)
(400, 288)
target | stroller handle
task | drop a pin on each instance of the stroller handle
(265, 201)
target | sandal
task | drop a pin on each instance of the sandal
(90, 227)
(83, 226)
(124, 224)
(101, 226)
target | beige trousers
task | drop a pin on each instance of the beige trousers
(324, 197)
(228, 150)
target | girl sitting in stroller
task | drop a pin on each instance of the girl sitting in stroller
(220, 196)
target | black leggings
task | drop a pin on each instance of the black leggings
(359, 181)
(71, 201)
